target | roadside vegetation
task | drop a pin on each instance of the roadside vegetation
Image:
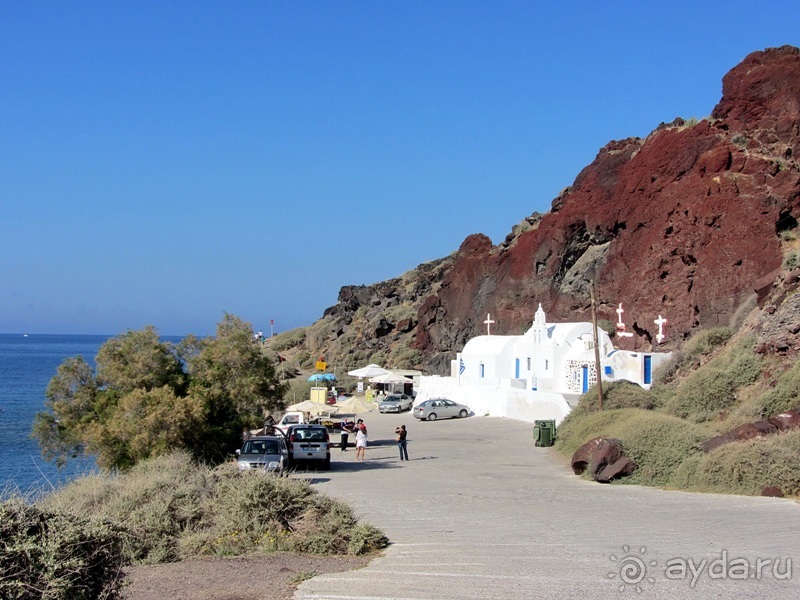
(74, 543)
(713, 384)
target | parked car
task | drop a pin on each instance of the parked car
(439, 408)
(309, 443)
(266, 453)
(396, 403)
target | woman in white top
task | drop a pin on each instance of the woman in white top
(361, 442)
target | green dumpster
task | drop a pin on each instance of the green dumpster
(544, 432)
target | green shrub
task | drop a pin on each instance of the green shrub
(658, 444)
(577, 429)
(791, 261)
(703, 393)
(617, 394)
(784, 396)
(54, 556)
(745, 467)
(705, 342)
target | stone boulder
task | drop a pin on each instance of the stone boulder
(748, 431)
(784, 421)
(772, 491)
(605, 458)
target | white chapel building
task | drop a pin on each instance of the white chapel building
(538, 375)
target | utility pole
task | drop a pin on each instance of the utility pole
(596, 351)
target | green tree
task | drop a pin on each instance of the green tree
(236, 383)
(150, 397)
(70, 403)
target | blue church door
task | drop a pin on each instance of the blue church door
(648, 369)
(585, 379)
(516, 370)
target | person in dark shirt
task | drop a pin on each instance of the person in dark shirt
(347, 429)
(401, 441)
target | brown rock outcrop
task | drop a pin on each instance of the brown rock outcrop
(682, 223)
(759, 429)
(685, 223)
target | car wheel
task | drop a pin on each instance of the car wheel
(326, 466)
(462, 414)
(432, 417)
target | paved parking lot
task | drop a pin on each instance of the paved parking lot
(479, 513)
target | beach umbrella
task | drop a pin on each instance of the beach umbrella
(371, 370)
(354, 405)
(322, 377)
(314, 408)
(390, 378)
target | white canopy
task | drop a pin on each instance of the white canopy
(390, 378)
(371, 370)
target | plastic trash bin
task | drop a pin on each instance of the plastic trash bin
(544, 432)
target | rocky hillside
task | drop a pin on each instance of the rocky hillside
(687, 223)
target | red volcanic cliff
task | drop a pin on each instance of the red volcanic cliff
(681, 224)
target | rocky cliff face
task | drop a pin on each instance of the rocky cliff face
(683, 224)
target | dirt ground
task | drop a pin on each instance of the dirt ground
(240, 578)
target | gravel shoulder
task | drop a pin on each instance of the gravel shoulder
(232, 578)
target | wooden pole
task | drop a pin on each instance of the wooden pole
(597, 371)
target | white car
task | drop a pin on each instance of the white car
(264, 453)
(396, 403)
(440, 408)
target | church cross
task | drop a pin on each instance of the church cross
(488, 322)
(660, 321)
(619, 312)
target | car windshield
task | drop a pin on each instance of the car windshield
(261, 447)
(393, 399)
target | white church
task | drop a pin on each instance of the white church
(538, 375)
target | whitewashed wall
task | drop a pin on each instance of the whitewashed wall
(495, 399)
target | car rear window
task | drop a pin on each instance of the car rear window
(311, 435)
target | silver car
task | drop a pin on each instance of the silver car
(396, 403)
(265, 453)
(439, 408)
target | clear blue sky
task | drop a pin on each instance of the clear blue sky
(165, 162)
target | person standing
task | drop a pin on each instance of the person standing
(401, 441)
(347, 429)
(361, 442)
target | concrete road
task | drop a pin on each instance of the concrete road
(479, 513)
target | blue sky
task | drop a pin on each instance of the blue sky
(165, 162)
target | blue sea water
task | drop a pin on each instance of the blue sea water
(27, 363)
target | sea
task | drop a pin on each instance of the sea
(27, 363)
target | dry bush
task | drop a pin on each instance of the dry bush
(55, 556)
(173, 508)
(288, 339)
